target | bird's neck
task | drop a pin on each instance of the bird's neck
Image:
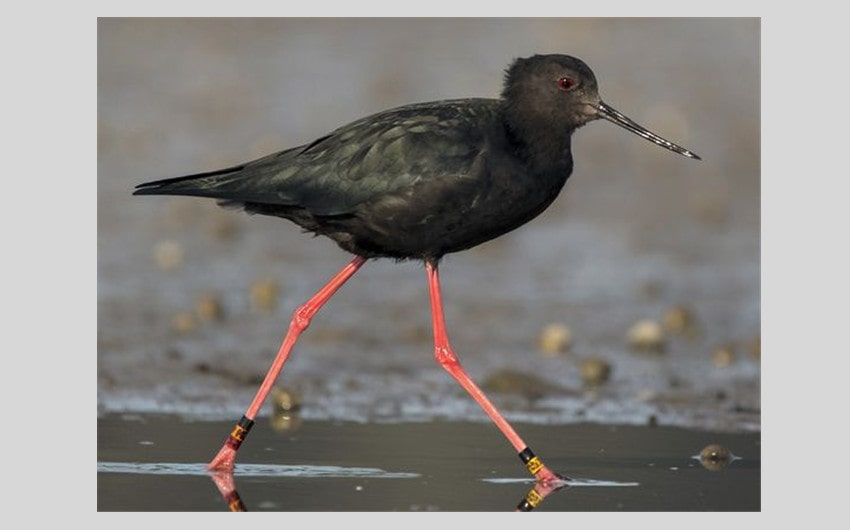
(534, 144)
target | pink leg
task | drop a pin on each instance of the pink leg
(448, 360)
(226, 457)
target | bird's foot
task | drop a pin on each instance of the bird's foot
(224, 460)
(546, 482)
(549, 479)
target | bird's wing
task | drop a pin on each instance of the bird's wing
(380, 155)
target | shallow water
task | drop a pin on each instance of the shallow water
(146, 464)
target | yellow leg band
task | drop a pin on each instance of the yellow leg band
(534, 465)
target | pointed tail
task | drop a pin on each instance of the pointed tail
(199, 184)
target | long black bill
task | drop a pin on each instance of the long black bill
(613, 115)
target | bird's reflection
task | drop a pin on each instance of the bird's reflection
(287, 419)
(226, 484)
(540, 491)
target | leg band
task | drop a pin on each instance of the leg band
(530, 460)
(240, 431)
(530, 501)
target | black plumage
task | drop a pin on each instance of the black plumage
(424, 180)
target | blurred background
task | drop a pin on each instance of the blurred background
(634, 299)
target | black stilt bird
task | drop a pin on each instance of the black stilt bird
(418, 182)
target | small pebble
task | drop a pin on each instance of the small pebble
(183, 322)
(264, 295)
(168, 255)
(594, 372)
(521, 383)
(208, 308)
(646, 395)
(285, 422)
(202, 367)
(555, 339)
(285, 400)
(715, 457)
(680, 320)
(646, 336)
(723, 356)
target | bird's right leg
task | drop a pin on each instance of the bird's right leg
(226, 457)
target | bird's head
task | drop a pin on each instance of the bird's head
(556, 94)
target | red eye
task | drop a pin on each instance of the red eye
(567, 83)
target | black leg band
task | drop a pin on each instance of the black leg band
(237, 436)
(530, 460)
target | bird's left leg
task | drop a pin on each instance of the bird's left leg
(448, 360)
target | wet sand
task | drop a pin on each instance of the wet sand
(156, 463)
